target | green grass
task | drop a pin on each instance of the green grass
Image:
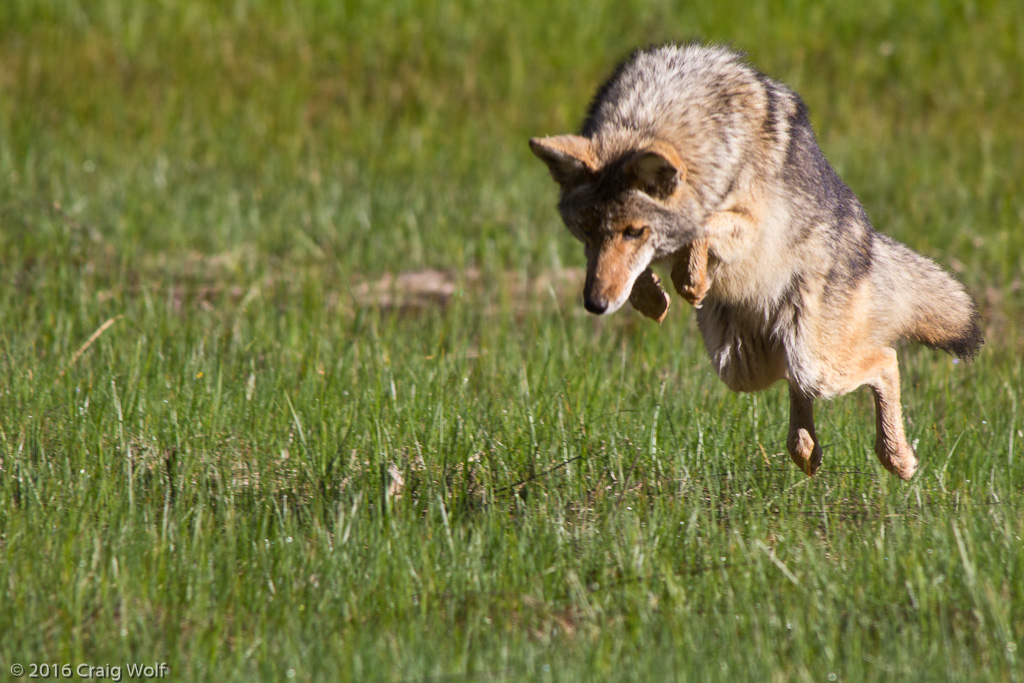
(263, 466)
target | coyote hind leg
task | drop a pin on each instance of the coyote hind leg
(877, 367)
(801, 442)
(890, 440)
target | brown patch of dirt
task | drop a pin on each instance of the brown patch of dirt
(432, 288)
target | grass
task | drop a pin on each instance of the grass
(268, 464)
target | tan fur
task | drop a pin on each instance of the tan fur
(689, 156)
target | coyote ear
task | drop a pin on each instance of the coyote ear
(569, 157)
(656, 171)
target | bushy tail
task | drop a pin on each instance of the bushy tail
(935, 308)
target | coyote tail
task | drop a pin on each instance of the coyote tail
(933, 306)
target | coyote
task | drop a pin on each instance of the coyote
(689, 156)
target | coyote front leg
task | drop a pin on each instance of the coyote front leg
(727, 235)
(690, 272)
(648, 297)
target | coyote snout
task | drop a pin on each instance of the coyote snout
(612, 268)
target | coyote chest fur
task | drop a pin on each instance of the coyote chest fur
(690, 156)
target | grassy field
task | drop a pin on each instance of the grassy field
(247, 432)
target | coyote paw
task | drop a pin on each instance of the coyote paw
(902, 462)
(694, 294)
(805, 452)
(648, 297)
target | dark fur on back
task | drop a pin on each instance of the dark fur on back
(587, 128)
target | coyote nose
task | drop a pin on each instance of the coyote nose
(595, 306)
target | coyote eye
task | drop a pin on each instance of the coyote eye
(634, 232)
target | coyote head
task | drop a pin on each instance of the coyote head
(628, 210)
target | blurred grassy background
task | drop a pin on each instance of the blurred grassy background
(254, 122)
(271, 462)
